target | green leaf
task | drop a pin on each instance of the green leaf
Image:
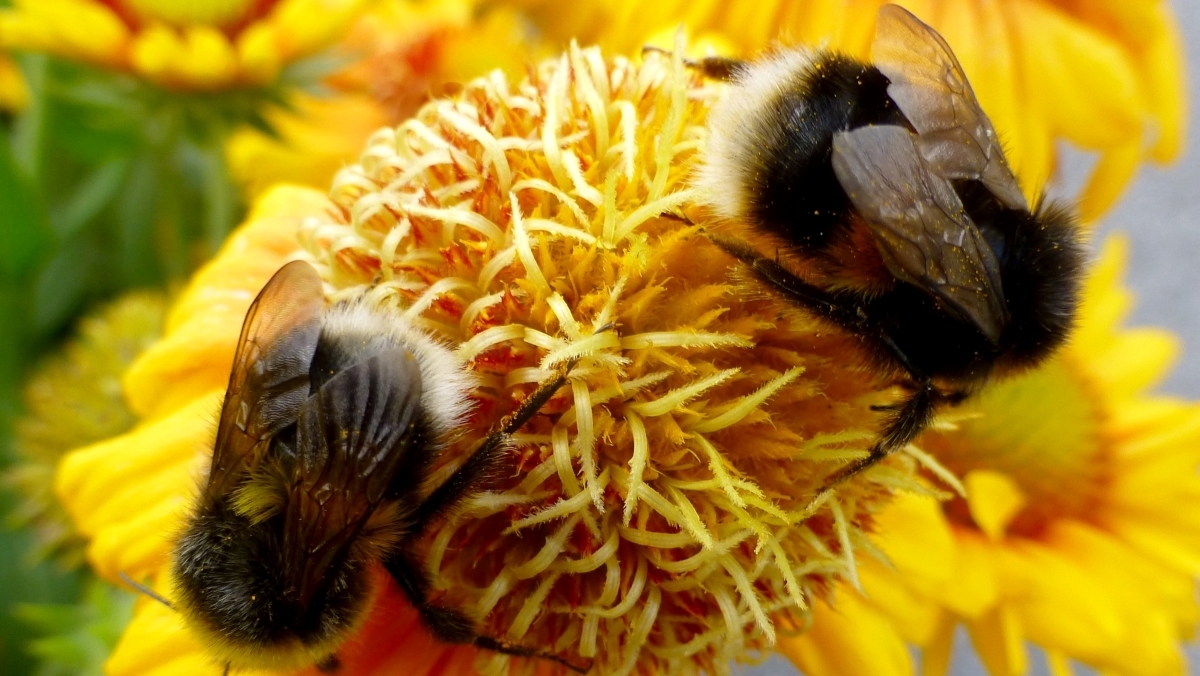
(25, 584)
(62, 286)
(24, 233)
(29, 131)
(76, 639)
(91, 196)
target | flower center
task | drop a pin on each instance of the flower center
(209, 12)
(1041, 432)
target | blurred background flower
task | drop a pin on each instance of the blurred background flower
(1106, 76)
(399, 55)
(180, 45)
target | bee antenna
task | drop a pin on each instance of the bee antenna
(138, 586)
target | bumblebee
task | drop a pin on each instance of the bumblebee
(329, 430)
(893, 214)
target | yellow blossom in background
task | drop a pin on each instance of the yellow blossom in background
(654, 516)
(1075, 533)
(1105, 75)
(14, 93)
(402, 52)
(216, 44)
(74, 399)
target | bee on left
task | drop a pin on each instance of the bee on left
(329, 430)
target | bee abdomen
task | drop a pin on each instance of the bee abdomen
(769, 157)
(232, 582)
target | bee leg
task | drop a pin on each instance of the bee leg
(143, 589)
(828, 306)
(483, 460)
(720, 68)
(496, 645)
(329, 664)
(449, 625)
(912, 416)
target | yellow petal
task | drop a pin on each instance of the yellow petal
(156, 639)
(1082, 78)
(1060, 604)
(185, 364)
(258, 53)
(1134, 361)
(1105, 301)
(156, 52)
(851, 639)
(321, 137)
(993, 499)
(1000, 643)
(305, 26)
(80, 28)
(936, 654)
(14, 94)
(1108, 180)
(812, 23)
(210, 59)
(201, 330)
(1161, 538)
(209, 12)
(1058, 664)
(976, 586)
(914, 614)
(1166, 86)
(86, 478)
(1155, 607)
(917, 540)
(139, 546)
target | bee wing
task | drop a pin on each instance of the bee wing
(269, 379)
(923, 233)
(956, 137)
(352, 439)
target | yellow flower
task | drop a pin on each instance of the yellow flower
(653, 518)
(1104, 75)
(403, 52)
(209, 45)
(74, 399)
(14, 93)
(1074, 534)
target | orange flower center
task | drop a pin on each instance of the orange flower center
(1041, 432)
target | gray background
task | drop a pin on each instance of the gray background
(1160, 215)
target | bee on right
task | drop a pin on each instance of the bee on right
(893, 216)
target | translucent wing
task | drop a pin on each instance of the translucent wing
(923, 233)
(955, 136)
(269, 379)
(354, 436)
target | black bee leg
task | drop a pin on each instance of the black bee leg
(720, 68)
(483, 460)
(329, 664)
(496, 645)
(822, 303)
(912, 416)
(449, 625)
(226, 672)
